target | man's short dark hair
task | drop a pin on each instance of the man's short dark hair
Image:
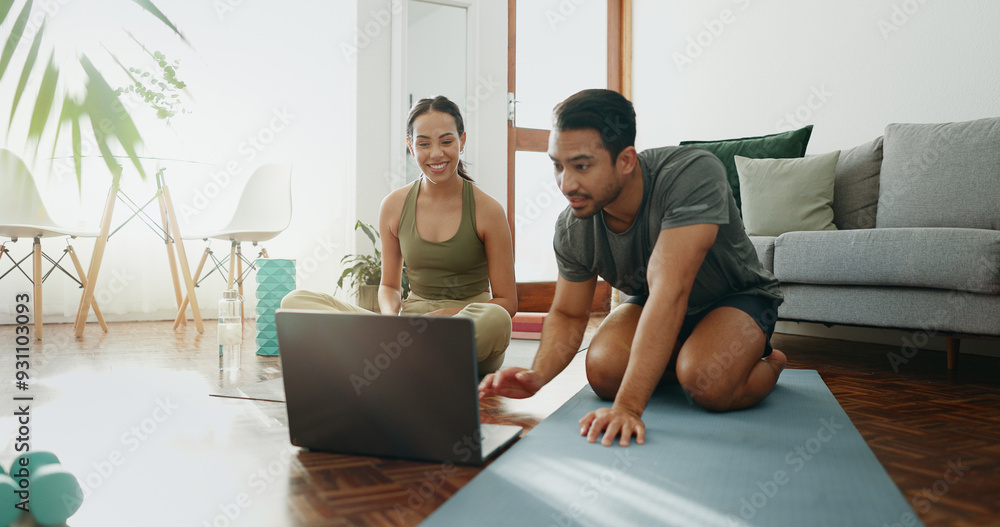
(606, 111)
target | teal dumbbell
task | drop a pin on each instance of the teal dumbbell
(8, 500)
(55, 493)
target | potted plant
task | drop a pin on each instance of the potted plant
(364, 272)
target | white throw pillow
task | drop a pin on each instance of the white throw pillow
(784, 195)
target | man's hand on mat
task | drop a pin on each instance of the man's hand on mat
(513, 382)
(613, 421)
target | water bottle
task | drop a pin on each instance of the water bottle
(230, 330)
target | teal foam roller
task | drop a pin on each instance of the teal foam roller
(265, 275)
(271, 295)
(276, 284)
(275, 263)
(271, 299)
(266, 327)
(265, 310)
(267, 351)
(266, 337)
(55, 495)
(265, 318)
(267, 343)
(8, 500)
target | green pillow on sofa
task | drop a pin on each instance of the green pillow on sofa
(781, 145)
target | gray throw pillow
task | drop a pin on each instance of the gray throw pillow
(784, 195)
(941, 175)
(855, 188)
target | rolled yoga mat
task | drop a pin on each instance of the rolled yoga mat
(794, 459)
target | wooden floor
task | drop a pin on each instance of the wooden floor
(129, 413)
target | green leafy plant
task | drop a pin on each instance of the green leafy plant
(159, 88)
(96, 106)
(366, 269)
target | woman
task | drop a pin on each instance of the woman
(453, 237)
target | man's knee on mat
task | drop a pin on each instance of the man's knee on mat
(603, 374)
(706, 383)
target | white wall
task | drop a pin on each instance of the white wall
(733, 68)
(383, 102)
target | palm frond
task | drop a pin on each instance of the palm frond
(29, 64)
(15, 36)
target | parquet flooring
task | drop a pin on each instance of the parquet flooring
(217, 462)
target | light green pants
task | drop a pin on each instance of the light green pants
(491, 322)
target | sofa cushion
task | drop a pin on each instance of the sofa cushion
(783, 195)
(941, 175)
(855, 188)
(943, 258)
(784, 144)
(765, 250)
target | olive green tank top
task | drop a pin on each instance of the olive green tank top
(455, 268)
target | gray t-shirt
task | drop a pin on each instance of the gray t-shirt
(681, 186)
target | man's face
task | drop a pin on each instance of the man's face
(584, 170)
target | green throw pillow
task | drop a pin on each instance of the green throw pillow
(784, 195)
(782, 145)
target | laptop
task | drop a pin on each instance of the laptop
(388, 386)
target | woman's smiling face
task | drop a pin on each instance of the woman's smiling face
(436, 145)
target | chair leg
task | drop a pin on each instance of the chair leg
(171, 257)
(232, 264)
(263, 252)
(239, 280)
(185, 270)
(953, 347)
(37, 265)
(83, 280)
(239, 268)
(95, 261)
(181, 312)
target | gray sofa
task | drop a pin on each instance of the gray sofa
(918, 240)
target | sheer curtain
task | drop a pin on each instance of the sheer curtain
(261, 88)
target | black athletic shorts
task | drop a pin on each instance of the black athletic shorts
(763, 311)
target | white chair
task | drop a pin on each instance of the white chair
(23, 215)
(263, 211)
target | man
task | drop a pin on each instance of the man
(663, 227)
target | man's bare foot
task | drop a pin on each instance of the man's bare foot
(777, 360)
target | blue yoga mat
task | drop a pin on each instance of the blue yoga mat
(795, 459)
